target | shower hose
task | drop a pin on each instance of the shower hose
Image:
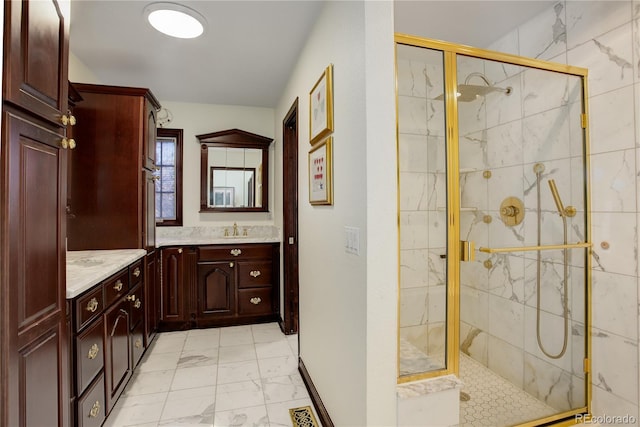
(565, 296)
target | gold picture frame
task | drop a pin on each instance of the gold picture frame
(321, 173)
(321, 107)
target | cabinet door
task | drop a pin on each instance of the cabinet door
(174, 296)
(149, 146)
(117, 351)
(216, 289)
(37, 43)
(34, 338)
(149, 210)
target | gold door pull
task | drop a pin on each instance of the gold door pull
(467, 251)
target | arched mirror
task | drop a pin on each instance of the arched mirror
(234, 171)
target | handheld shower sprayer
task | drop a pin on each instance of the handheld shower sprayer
(556, 197)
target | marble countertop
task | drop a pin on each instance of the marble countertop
(211, 240)
(184, 236)
(86, 269)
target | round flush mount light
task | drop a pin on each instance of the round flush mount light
(175, 20)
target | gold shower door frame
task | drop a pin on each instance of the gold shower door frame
(454, 245)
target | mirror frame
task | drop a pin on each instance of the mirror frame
(233, 138)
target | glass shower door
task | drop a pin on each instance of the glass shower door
(523, 202)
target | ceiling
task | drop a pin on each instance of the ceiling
(249, 48)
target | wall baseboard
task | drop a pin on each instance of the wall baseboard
(322, 412)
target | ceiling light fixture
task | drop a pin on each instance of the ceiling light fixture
(175, 20)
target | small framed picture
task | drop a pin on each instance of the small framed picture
(321, 107)
(321, 173)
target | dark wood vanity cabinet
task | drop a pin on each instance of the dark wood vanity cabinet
(108, 342)
(219, 285)
(34, 342)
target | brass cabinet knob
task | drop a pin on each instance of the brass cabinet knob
(137, 304)
(95, 410)
(68, 119)
(180, 250)
(231, 264)
(235, 252)
(72, 143)
(72, 120)
(255, 273)
(136, 272)
(92, 305)
(131, 297)
(93, 352)
(255, 300)
(138, 343)
(118, 286)
(64, 143)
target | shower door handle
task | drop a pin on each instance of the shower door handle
(467, 250)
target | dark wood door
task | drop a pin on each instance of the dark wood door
(35, 343)
(290, 211)
(149, 210)
(37, 44)
(174, 297)
(149, 148)
(117, 362)
(216, 289)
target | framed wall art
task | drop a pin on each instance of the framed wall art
(321, 173)
(321, 107)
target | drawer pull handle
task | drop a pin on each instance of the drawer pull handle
(180, 250)
(131, 297)
(138, 343)
(93, 352)
(95, 410)
(92, 305)
(255, 273)
(137, 304)
(118, 286)
(231, 264)
(235, 252)
(136, 272)
(255, 300)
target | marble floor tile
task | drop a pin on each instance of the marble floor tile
(273, 349)
(171, 343)
(236, 335)
(237, 353)
(238, 371)
(283, 389)
(239, 395)
(278, 366)
(255, 416)
(199, 376)
(136, 411)
(199, 342)
(158, 362)
(267, 334)
(149, 382)
(198, 357)
(193, 403)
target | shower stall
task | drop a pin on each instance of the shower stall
(494, 234)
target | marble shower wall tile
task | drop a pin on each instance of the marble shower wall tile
(414, 268)
(506, 320)
(552, 337)
(544, 90)
(548, 383)
(474, 342)
(545, 136)
(611, 126)
(613, 183)
(589, 19)
(606, 403)
(620, 231)
(411, 115)
(414, 230)
(506, 277)
(414, 304)
(412, 78)
(615, 364)
(474, 307)
(615, 305)
(544, 36)
(506, 360)
(413, 153)
(418, 191)
(474, 150)
(608, 57)
(504, 108)
(505, 145)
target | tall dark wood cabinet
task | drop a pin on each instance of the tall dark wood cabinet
(112, 202)
(34, 357)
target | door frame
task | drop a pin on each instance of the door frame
(290, 219)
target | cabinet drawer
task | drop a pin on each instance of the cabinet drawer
(136, 273)
(88, 307)
(253, 274)
(116, 286)
(222, 252)
(91, 407)
(89, 354)
(254, 301)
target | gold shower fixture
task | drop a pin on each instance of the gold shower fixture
(512, 211)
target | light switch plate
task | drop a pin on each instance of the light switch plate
(352, 240)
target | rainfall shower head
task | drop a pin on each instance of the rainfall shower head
(556, 197)
(467, 92)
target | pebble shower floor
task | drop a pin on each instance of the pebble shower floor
(494, 401)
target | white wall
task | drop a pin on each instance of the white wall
(348, 302)
(79, 72)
